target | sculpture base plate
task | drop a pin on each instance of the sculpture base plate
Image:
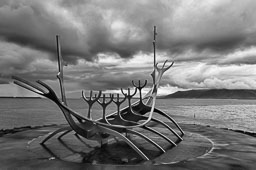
(203, 148)
(73, 148)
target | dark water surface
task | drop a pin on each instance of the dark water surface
(229, 113)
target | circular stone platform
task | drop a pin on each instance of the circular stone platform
(202, 148)
(72, 148)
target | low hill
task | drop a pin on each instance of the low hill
(215, 94)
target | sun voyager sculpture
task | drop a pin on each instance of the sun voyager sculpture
(135, 119)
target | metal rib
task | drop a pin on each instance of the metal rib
(160, 134)
(164, 124)
(146, 138)
(170, 118)
(63, 134)
(132, 145)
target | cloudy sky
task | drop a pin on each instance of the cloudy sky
(107, 43)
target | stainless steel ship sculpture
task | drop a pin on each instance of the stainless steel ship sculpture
(118, 124)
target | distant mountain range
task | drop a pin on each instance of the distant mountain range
(214, 94)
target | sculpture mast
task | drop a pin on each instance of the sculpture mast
(153, 74)
(154, 45)
(60, 73)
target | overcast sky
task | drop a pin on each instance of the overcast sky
(108, 43)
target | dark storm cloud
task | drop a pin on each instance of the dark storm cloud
(239, 57)
(125, 27)
(221, 34)
(112, 80)
(29, 24)
(25, 62)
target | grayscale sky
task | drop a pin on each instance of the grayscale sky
(107, 43)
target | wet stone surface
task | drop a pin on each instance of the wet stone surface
(72, 148)
(202, 148)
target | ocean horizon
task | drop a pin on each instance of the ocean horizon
(221, 113)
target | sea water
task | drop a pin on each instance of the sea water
(225, 113)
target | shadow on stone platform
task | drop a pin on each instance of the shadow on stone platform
(202, 148)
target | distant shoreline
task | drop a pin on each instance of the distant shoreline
(212, 98)
(158, 97)
(10, 97)
(214, 94)
(24, 128)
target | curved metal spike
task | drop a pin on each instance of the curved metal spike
(91, 100)
(111, 99)
(135, 92)
(157, 77)
(84, 97)
(99, 94)
(104, 103)
(156, 66)
(19, 81)
(163, 69)
(164, 63)
(139, 86)
(50, 94)
(117, 99)
(104, 98)
(123, 92)
(34, 88)
(169, 66)
(123, 99)
(146, 82)
(91, 95)
(117, 102)
(131, 95)
(133, 84)
(28, 88)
